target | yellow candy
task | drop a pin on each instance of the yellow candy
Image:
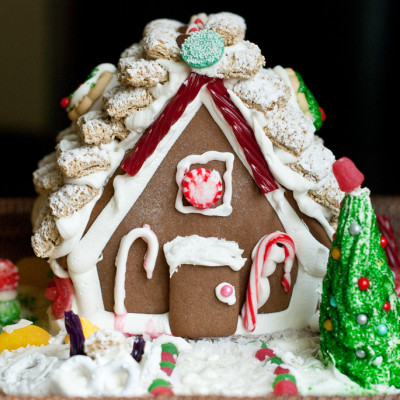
(87, 327)
(328, 325)
(30, 335)
(336, 254)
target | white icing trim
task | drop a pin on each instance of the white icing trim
(183, 167)
(198, 250)
(149, 262)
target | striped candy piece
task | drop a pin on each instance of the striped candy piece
(263, 266)
(201, 187)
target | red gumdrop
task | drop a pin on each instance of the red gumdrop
(262, 354)
(160, 390)
(285, 387)
(63, 302)
(51, 291)
(279, 370)
(347, 174)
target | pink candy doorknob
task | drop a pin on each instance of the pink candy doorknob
(202, 188)
(226, 290)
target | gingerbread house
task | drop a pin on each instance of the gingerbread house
(190, 194)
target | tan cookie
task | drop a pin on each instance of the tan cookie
(70, 199)
(241, 61)
(159, 39)
(96, 127)
(91, 97)
(46, 237)
(329, 195)
(263, 92)
(315, 163)
(83, 161)
(141, 73)
(136, 51)
(231, 27)
(47, 178)
(289, 129)
(122, 101)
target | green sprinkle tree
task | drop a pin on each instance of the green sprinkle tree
(360, 310)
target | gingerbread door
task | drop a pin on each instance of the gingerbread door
(202, 289)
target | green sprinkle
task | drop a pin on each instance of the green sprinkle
(276, 360)
(167, 364)
(202, 48)
(284, 377)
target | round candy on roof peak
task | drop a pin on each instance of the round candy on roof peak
(347, 174)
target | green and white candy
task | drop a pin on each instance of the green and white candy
(202, 48)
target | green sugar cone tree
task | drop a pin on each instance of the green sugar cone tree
(360, 310)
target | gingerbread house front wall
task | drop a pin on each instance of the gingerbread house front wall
(251, 218)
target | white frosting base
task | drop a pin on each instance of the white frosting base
(225, 367)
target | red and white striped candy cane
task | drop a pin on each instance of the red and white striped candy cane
(263, 266)
(197, 22)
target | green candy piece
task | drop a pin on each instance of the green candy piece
(170, 348)
(276, 360)
(356, 348)
(202, 48)
(167, 364)
(157, 383)
(312, 102)
(10, 311)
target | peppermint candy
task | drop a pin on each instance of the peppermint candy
(202, 188)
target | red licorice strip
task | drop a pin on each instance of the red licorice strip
(391, 249)
(244, 135)
(157, 131)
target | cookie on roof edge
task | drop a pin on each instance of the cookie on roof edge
(160, 119)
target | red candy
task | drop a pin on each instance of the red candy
(262, 354)
(386, 306)
(165, 356)
(347, 174)
(160, 390)
(279, 370)
(9, 275)
(65, 102)
(285, 387)
(202, 188)
(60, 291)
(363, 284)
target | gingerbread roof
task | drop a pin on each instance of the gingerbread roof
(111, 111)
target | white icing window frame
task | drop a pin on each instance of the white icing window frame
(224, 209)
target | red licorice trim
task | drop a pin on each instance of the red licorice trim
(157, 131)
(244, 135)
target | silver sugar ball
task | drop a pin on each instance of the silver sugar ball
(360, 353)
(355, 229)
(362, 319)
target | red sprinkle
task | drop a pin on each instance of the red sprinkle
(363, 284)
(383, 241)
(165, 356)
(167, 370)
(323, 115)
(386, 306)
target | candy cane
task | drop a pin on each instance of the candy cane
(196, 23)
(266, 255)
